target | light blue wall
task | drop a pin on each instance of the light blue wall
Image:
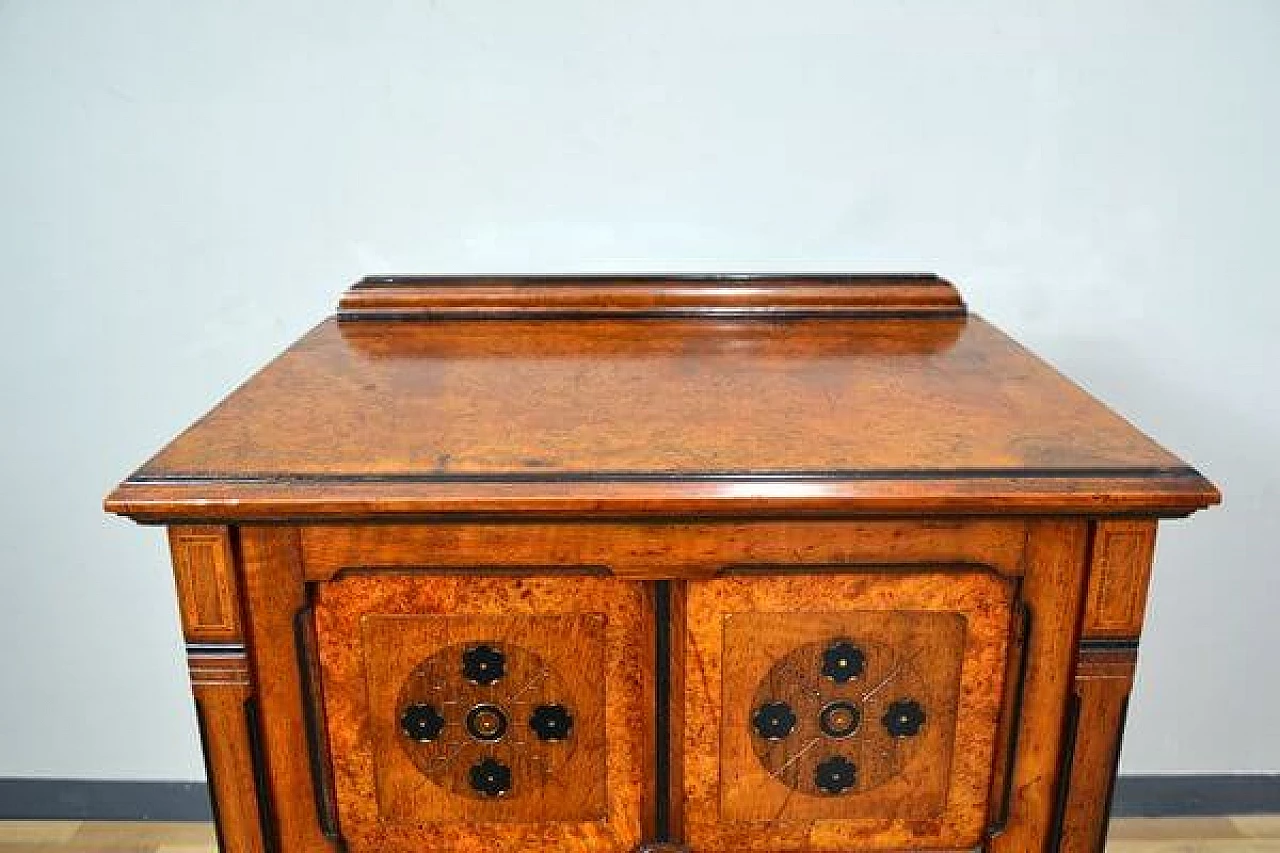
(185, 187)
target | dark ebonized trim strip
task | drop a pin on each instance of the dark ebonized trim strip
(203, 729)
(261, 782)
(317, 743)
(1065, 768)
(1111, 787)
(923, 279)
(662, 711)
(351, 315)
(1108, 645)
(1001, 821)
(911, 474)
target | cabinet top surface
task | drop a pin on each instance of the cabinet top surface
(651, 413)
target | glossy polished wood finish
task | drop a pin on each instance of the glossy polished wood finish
(929, 793)
(451, 297)
(658, 484)
(204, 571)
(1104, 679)
(939, 414)
(588, 632)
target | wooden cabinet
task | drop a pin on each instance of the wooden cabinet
(730, 564)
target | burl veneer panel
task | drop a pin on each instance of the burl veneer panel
(548, 661)
(584, 643)
(494, 398)
(933, 639)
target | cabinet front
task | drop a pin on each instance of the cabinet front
(783, 688)
(488, 712)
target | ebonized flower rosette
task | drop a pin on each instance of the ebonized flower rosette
(486, 720)
(841, 717)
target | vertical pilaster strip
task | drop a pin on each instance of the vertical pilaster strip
(1104, 678)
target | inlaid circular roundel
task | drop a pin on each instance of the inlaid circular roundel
(838, 717)
(485, 719)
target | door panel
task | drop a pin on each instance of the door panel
(843, 712)
(486, 711)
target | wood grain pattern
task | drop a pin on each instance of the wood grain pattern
(765, 459)
(442, 297)
(1053, 589)
(836, 415)
(220, 682)
(204, 570)
(596, 632)
(1103, 682)
(274, 593)
(673, 549)
(732, 803)
(1118, 577)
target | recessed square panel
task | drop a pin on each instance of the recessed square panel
(851, 711)
(486, 712)
(487, 718)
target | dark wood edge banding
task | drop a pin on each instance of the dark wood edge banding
(1001, 821)
(1066, 764)
(312, 703)
(1095, 492)
(202, 728)
(261, 779)
(662, 711)
(1108, 644)
(423, 297)
(1111, 785)
(671, 476)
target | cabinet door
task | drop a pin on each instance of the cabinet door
(843, 712)
(487, 712)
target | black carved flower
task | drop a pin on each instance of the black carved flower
(421, 722)
(483, 665)
(903, 718)
(551, 722)
(842, 661)
(774, 720)
(491, 777)
(835, 775)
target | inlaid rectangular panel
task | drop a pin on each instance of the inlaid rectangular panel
(843, 712)
(1119, 574)
(204, 571)
(479, 712)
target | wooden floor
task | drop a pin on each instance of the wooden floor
(1178, 835)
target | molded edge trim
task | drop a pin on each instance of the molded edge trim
(1158, 492)
(426, 297)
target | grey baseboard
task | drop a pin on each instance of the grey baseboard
(71, 799)
(79, 799)
(1196, 796)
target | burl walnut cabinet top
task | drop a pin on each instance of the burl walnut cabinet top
(665, 395)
